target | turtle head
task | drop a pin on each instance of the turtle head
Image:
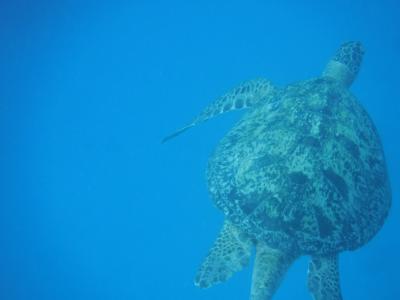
(345, 64)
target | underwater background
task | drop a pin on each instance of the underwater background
(92, 206)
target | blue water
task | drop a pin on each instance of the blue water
(92, 206)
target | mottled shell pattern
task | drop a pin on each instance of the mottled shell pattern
(303, 170)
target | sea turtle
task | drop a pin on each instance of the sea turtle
(302, 173)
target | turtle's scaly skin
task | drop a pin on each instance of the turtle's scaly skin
(346, 62)
(304, 171)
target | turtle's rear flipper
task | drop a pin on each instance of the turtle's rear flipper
(230, 253)
(323, 278)
(270, 266)
(245, 95)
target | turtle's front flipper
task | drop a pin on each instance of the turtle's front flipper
(245, 95)
(270, 266)
(230, 253)
(323, 278)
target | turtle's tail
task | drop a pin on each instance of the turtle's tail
(270, 266)
(323, 277)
